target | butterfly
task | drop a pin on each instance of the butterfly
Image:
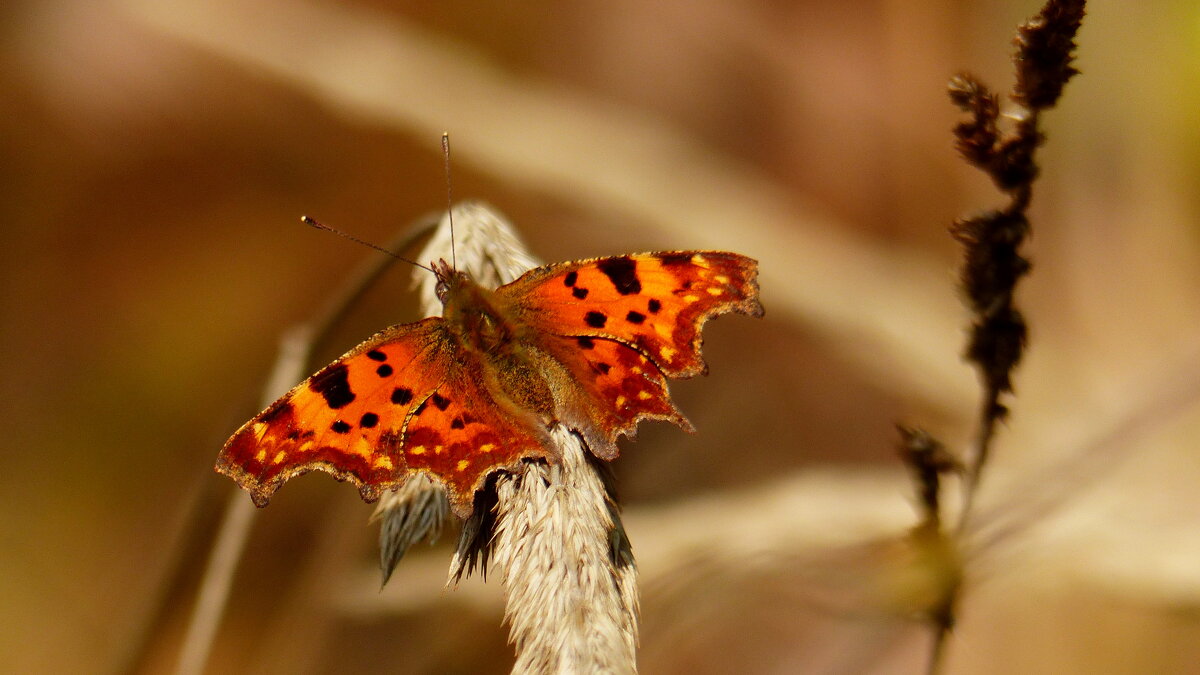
(588, 344)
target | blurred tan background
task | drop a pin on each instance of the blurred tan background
(158, 155)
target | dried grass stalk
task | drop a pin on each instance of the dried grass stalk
(570, 581)
(553, 532)
(993, 264)
(411, 514)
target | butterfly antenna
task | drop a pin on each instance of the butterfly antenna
(449, 202)
(321, 226)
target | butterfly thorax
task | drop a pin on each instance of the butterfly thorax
(473, 312)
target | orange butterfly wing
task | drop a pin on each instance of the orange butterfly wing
(621, 325)
(656, 302)
(412, 398)
(619, 387)
(463, 432)
(396, 403)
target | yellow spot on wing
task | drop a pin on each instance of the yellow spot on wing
(620, 401)
(668, 352)
(260, 430)
(662, 329)
(643, 395)
(689, 299)
(721, 279)
(362, 447)
(463, 464)
(487, 447)
(419, 450)
(383, 462)
(636, 370)
(261, 456)
(713, 290)
(279, 457)
(306, 446)
(439, 449)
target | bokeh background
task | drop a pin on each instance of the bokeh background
(157, 155)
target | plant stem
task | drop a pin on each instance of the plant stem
(291, 366)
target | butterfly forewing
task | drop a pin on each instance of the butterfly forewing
(656, 302)
(344, 418)
(409, 399)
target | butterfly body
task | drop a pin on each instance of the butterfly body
(588, 344)
(474, 313)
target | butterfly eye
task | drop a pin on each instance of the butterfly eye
(442, 289)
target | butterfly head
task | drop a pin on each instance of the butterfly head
(449, 280)
(473, 312)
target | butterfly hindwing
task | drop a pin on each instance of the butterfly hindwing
(620, 387)
(460, 433)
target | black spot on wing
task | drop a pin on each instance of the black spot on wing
(440, 401)
(595, 319)
(376, 355)
(570, 279)
(457, 423)
(368, 421)
(401, 395)
(654, 306)
(668, 259)
(635, 317)
(340, 427)
(578, 292)
(278, 410)
(384, 371)
(333, 383)
(586, 342)
(622, 272)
